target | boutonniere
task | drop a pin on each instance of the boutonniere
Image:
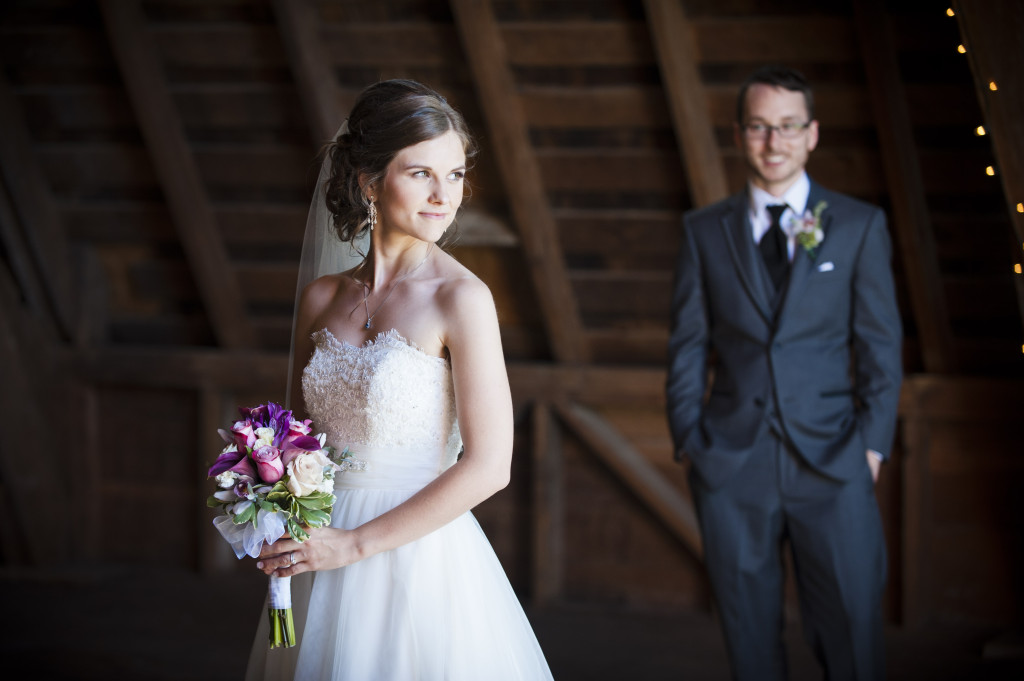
(807, 228)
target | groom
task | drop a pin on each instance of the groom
(784, 303)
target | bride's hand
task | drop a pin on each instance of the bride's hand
(326, 549)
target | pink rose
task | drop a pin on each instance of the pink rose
(268, 463)
(298, 429)
(243, 433)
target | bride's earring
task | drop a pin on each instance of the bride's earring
(371, 214)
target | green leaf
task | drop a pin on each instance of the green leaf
(296, 531)
(316, 500)
(249, 514)
(315, 518)
(213, 502)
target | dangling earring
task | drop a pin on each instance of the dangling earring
(371, 214)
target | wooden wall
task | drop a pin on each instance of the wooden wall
(156, 162)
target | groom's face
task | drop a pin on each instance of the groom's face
(775, 160)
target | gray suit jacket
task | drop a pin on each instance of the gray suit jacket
(822, 367)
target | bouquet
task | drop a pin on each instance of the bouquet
(274, 476)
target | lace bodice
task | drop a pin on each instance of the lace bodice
(385, 393)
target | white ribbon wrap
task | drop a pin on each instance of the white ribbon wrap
(280, 592)
(248, 540)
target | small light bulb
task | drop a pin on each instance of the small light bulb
(980, 131)
(961, 49)
(950, 12)
(990, 171)
(1020, 207)
(992, 86)
(1016, 268)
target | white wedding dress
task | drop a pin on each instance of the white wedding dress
(437, 609)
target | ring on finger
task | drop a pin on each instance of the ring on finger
(291, 558)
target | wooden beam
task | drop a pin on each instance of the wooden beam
(520, 172)
(37, 527)
(310, 64)
(33, 202)
(911, 219)
(23, 265)
(548, 507)
(673, 41)
(176, 168)
(636, 472)
(992, 33)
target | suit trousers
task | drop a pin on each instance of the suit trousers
(834, 531)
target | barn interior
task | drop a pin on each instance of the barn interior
(156, 163)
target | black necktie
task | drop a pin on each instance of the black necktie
(775, 248)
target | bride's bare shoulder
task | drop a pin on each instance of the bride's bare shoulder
(319, 293)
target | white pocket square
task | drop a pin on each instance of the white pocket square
(826, 266)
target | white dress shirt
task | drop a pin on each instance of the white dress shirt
(795, 199)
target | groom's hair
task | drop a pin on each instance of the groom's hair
(776, 76)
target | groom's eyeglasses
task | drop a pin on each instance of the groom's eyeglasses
(760, 131)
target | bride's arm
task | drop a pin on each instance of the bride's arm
(484, 407)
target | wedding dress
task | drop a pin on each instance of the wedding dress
(437, 609)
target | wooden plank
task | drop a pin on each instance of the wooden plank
(321, 97)
(911, 218)
(548, 508)
(485, 53)
(27, 481)
(976, 399)
(780, 39)
(179, 176)
(653, 489)
(29, 283)
(212, 552)
(596, 107)
(992, 32)
(687, 100)
(32, 200)
(576, 43)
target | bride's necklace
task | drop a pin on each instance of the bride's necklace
(366, 291)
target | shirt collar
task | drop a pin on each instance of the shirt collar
(795, 197)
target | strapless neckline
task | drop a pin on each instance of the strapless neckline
(391, 336)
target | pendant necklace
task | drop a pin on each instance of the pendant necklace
(366, 293)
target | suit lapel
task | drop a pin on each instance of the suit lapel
(803, 264)
(738, 234)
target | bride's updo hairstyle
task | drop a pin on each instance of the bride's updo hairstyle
(387, 117)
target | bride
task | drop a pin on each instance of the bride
(401, 362)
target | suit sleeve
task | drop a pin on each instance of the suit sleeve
(877, 338)
(688, 347)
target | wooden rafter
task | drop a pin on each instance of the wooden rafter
(520, 171)
(992, 32)
(687, 99)
(310, 65)
(549, 507)
(32, 200)
(911, 219)
(636, 472)
(179, 177)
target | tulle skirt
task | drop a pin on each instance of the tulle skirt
(438, 609)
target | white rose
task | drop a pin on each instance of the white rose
(306, 474)
(264, 437)
(226, 480)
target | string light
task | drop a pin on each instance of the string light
(980, 131)
(990, 171)
(992, 86)
(961, 49)
(1016, 268)
(1020, 207)
(950, 12)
